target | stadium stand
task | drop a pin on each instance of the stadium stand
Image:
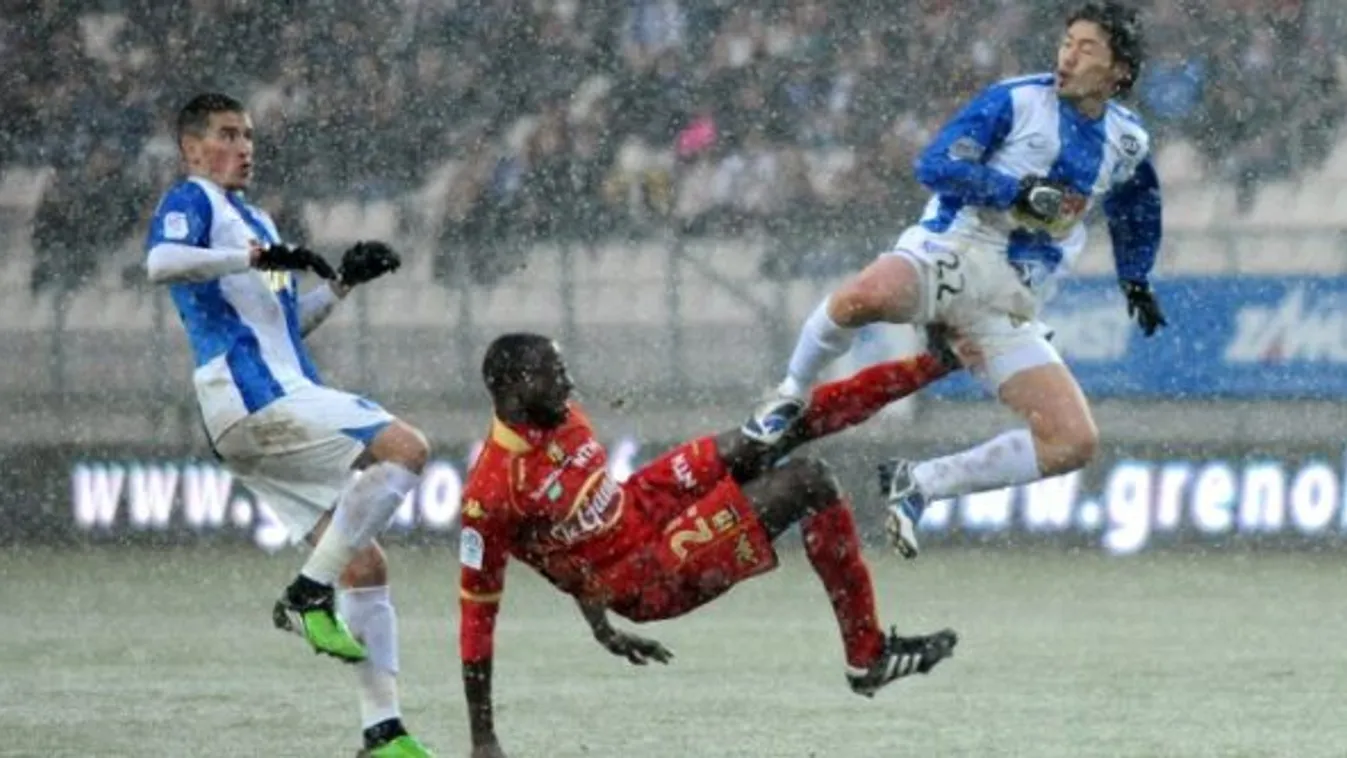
(486, 135)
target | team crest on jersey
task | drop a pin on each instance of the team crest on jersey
(966, 149)
(277, 281)
(554, 453)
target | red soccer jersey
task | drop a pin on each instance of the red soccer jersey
(544, 496)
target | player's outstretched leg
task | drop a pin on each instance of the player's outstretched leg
(364, 509)
(1061, 438)
(804, 490)
(841, 404)
(886, 290)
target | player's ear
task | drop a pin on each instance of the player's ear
(1123, 77)
(186, 146)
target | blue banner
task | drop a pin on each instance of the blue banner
(1228, 337)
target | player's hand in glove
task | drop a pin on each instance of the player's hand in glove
(638, 650)
(366, 261)
(280, 257)
(1143, 307)
(1044, 200)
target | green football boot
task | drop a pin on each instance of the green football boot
(309, 609)
(405, 746)
(389, 739)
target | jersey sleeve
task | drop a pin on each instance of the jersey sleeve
(1135, 220)
(484, 548)
(178, 246)
(315, 306)
(954, 164)
(183, 218)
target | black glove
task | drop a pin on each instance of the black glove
(1041, 199)
(366, 261)
(279, 257)
(1142, 306)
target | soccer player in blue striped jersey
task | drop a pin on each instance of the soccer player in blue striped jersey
(1014, 174)
(293, 441)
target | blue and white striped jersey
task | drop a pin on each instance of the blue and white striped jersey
(245, 326)
(1020, 127)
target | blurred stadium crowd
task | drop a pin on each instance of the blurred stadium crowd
(576, 119)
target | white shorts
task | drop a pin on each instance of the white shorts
(296, 454)
(969, 285)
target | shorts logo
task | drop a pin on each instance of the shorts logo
(471, 549)
(724, 520)
(683, 472)
(1130, 145)
(743, 551)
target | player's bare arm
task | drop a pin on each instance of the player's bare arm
(481, 719)
(635, 648)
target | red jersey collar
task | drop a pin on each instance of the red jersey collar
(518, 438)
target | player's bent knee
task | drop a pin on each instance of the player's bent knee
(886, 290)
(1068, 448)
(1084, 444)
(403, 444)
(369, 568)
(813, 478)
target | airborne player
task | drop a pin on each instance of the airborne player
(679, 533)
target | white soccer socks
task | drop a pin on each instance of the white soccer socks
(1003, 461)
(821, 342)
(363, 511)
(370, 615)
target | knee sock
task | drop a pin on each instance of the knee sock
(369, 613)
(834, 549)
(820, 342)
(363, 511)
(1003, 461)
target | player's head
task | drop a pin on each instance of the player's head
(527, 379)
(215, 136)
(1101, 51)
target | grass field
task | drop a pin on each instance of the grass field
(169, 653)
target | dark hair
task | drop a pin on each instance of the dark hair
(1125, 39)
(510, 356)
(194, 117)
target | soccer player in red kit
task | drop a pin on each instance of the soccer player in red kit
(677, 534)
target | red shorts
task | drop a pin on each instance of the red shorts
(709, 541)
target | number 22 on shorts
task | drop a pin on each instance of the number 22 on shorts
(949, 280)
(681, 539)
